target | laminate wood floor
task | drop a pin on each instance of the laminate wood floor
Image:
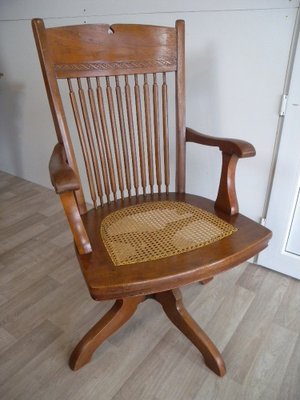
(251, 313)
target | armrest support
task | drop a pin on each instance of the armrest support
(65, 183)
(238, 147)
(79, 233)
(62, 176)
(232, 150)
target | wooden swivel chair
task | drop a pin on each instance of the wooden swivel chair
(138, 241)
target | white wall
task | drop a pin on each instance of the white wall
(236, 56)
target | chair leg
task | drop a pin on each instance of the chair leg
(120, 313)
(171, 301)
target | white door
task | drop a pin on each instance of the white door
(283, 214)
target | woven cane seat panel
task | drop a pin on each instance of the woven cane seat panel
(155, 230)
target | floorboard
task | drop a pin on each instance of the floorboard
(252, 314)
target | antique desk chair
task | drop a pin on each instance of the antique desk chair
(138, 240)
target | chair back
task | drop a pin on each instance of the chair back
(117, 81)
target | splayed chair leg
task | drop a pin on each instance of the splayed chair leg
(120, 313)
(171, 302)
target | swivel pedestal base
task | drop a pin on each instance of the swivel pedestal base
(123, 309)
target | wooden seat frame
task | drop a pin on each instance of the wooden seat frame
(93, 51)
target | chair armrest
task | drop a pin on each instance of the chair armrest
(80, 236)
(238, 147)
(65, 182)
(232, 150)
(62, 176)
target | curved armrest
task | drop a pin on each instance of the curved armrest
(238, 147)
(62, 176)
(232, 150)
(81, 238)
(65, 182)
